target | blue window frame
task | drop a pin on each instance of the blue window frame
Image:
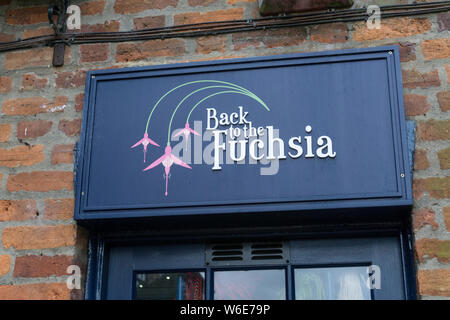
(336, 269)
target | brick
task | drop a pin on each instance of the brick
(79, 102)
(5, 84)
(434, 282)
(414, 79)
(433, 248)
(444, 100)
(436, 49)
(446, 213)
(33, 129)
(418, 188)
(271, 38)
(40, 181)
(28, 15)
(27, 130)
(420, 160)
(416, 104)
(391, 28)
(34, 266)
(433, 130)
(444, 158)
(70, 127)
(135, 6)
(33, 105)
(5, 264)
(92, 7)
(58, 209)
(436, 187)
(149, 22)
(285, 37)
(133, 51)
(18, 210)
(5, 37)
(21, 156)
(42, 31)
(108, 26)
(38, 237)
(31, 81)
(423, 217)
(5, 132)
(35, 291)
(194, 3)
(69, 79)
(207, 45)
(219, 15)
(443, 20)
(407, 51)
(94, 52)
(37, 57)
(329, 33)
(62, 153)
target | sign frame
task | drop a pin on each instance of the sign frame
(400, 200)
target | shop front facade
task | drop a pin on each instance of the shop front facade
(209, 150)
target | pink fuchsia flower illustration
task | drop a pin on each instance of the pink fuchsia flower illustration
(145, 141)
(167, 160)
(186, 131)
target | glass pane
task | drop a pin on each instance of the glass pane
(342, 283)
(170, 286)
(250, 285)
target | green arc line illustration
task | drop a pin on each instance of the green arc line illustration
(198, 81)
(246, 92)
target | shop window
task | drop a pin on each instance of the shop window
(170, 286)
(250, 285)
(341, 283)
(309, 269)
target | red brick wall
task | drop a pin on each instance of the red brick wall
(41, 109)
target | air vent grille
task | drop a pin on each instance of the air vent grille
(267, 251)
(248, 253)
(227, 252)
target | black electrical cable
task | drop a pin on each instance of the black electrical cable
(230, 26)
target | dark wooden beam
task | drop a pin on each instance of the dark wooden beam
(60, 27)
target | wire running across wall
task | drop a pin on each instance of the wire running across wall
(224, 27)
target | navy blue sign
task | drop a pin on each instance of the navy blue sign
(297, 132)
